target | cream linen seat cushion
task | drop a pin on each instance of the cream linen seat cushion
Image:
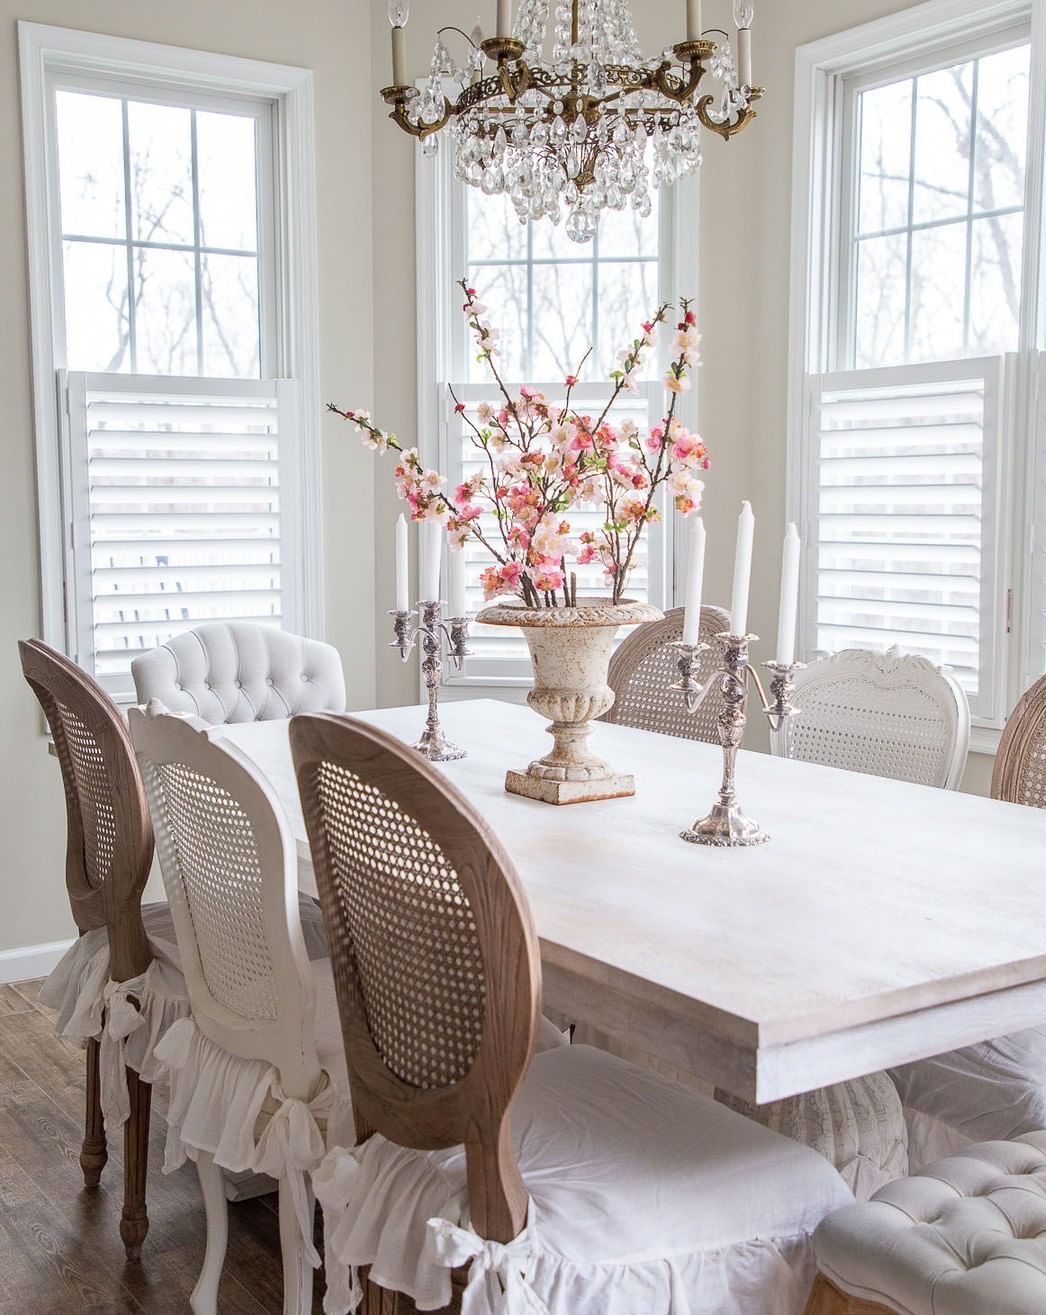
(967, 1236)
(644, 1198)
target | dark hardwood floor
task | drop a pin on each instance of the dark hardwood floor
(60, 1248)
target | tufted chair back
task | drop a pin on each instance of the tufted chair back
(235, 671)
(886, 714)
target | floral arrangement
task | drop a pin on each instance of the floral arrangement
(541, 460)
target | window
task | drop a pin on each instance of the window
(910, 401)
(554, 301)
(166, 302)
(938, 214)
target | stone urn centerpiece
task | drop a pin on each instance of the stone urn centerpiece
(570, 649)
(532, 462)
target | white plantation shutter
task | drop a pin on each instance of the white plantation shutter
(500, 655)
(178, 500)
(901, 508)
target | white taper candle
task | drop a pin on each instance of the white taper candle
(695, 574)
(742, 571)
(504, 28)
(694, 26)
(431, 551)
(789, 606)
(744, 56)
(402, 567)
(456, 588)
(399, 57)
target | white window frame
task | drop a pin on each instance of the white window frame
(290, 342)
(820, 260)
(441, 245)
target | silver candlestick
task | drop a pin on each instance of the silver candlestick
(727, 825)
(433, 633)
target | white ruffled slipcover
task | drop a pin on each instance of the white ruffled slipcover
(644, 1198)
(91, 1006)
(993, 1091)
(218, 1101)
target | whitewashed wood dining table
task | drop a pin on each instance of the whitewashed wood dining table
(883, 923)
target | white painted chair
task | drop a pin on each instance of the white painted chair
(966, 1238)
(886, 714)
(565, 1183)
(237, 671)
(258, 1071)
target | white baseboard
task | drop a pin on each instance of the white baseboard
(30, 961)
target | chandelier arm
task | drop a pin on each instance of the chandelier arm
(730, 128)
(420, 130)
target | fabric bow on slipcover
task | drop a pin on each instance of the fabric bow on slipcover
(496, 1283)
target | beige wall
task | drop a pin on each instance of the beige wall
(325, 35)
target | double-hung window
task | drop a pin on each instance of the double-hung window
(912, 299)
(562, 309)
(172, 418)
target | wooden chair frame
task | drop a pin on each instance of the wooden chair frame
(1024, 724)
(114, 902)
(475, 1110)
(646, 640)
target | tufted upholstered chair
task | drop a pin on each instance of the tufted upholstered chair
(995, 1089)
(963, 1239)
(646, 665)
(886, 714)
(236, 671)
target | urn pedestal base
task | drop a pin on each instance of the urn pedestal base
(620, 785)
(570, 650)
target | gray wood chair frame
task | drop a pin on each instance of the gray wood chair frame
(1019, 774)
(417, 801)
(104, 888)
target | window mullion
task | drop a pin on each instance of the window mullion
(970, 206)
(911, 221)
(132, 339)
(197, 240)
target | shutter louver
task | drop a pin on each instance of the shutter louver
(903, 514)
(179, 517)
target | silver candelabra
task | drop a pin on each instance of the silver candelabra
(433, 632)
(727, 824)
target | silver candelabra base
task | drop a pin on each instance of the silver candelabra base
(433, 632)
(727, 825)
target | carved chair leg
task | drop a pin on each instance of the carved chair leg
(135, 1221)
(204, 1299)
(93, 1153)
(297, 1272)
(826, 1299)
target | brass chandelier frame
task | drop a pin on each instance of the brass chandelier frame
(515, 76)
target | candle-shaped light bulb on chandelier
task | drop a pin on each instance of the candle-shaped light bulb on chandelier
(744, 17)
(399, 12)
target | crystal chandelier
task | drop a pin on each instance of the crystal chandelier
(562, 112)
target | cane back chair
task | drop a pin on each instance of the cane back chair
(646, 665)
(1019, 775)
(438, 976)
(109, 852)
